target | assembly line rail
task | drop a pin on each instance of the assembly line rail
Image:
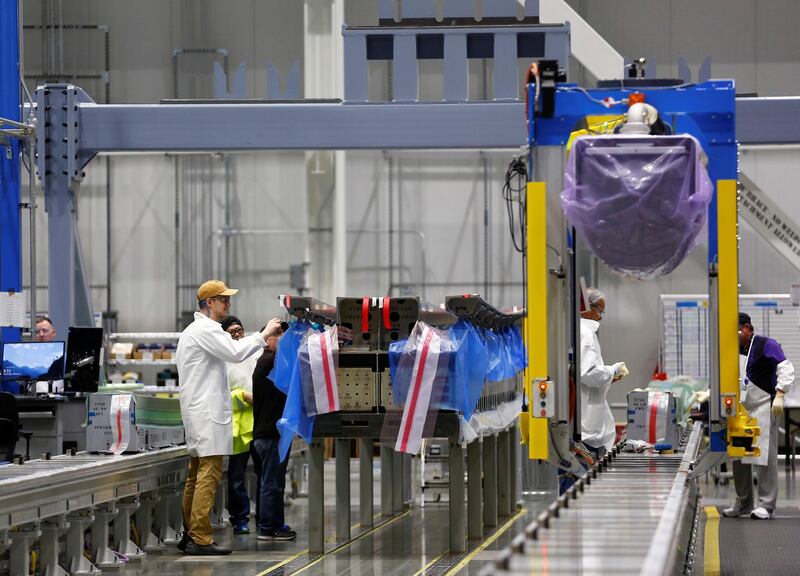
(630, 514)
(40, 489)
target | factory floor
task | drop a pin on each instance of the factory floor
(741, 546)
(411, 543)
(416, 541)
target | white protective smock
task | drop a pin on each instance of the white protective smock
(203, 350)
(597, 420)
(758, 403)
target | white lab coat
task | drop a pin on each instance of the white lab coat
(203, 350)
(240, 375)
(759, 403)
(597, 420)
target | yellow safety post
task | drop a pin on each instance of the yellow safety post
(536, 332)
(742, 429)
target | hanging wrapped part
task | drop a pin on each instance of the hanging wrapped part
(639, 202)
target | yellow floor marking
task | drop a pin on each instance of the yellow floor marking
(486, 542)
(711, 552)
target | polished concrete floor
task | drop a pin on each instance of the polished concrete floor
(750, 531)
(414, 542)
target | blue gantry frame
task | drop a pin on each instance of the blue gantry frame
(707, 111)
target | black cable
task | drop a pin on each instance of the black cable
(514, 196)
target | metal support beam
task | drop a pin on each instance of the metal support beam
(304, 126)
(342, 489)
(387, 479)
(365, 477)
(513, 452)
(490, 481)
(316, 498)
(398, 482)
(504, 472)
(78, 523)
(474, 490)
(52, 529)
(458, 541)
(102, 555)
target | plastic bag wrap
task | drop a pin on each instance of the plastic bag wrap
(463, 365)
(496, 370)
(286, 376)
(639, 202)
(684, 389)
(318, 357)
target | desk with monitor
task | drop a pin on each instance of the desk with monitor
(49, 383)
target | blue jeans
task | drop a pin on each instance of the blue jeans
(272, 482)
(238, 500)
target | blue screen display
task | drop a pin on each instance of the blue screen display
(33, 360)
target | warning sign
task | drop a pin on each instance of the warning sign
(770, 221)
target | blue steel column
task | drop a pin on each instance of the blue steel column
(10, 241)
(56, 143)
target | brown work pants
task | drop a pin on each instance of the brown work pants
(205, 473)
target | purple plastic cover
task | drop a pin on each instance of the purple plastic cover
(639, 202)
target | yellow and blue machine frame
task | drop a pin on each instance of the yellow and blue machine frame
(707, 111)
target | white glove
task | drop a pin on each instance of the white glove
(777, 406)
(620, 371)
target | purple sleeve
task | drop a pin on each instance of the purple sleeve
(773, 351)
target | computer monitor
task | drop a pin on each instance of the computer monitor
(33, 360)
(83, 358)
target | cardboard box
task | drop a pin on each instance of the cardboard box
(100, 436)
(122, 351)
(653, 410)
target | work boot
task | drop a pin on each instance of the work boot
(761, 513)
(195, 549)
(736, 511)
(184, 540)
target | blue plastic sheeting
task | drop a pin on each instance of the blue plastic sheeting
(468, 358)
(10, 249)
(286, 376)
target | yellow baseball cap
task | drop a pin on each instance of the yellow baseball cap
(214, 288)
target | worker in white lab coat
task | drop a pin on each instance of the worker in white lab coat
(597, 422)
(203, 350)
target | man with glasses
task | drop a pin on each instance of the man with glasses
(203, 349)
(240, 380)
(45, 331)
(597, 421)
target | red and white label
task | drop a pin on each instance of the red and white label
(419, 394)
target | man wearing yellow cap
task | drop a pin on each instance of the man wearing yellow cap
(203, 350)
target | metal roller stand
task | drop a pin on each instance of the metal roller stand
(316, 498)
(163, 521)
(504, 473)
(104, 557)
(398, 482)
(19, 555)
(365, 482)
(77, 562)
(143, 519)
(176, 512)
(122, 530)
(342, 489)
(490, 481)
(387, 479)
(458, 541)
(52, 529)
(218, 512)
(474, 490)
(513, 452)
